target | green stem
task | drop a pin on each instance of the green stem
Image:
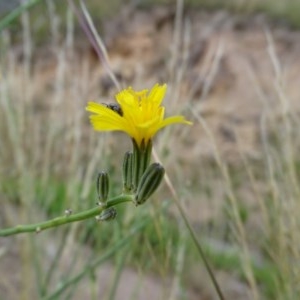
(200, 251)
(38, 227)
(203, 256)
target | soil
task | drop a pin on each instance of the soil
(229, 69)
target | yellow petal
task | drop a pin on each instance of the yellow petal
(142, 116)
(173, 120)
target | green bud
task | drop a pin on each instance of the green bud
(149, 182)
(136, 165)
(141, 160)
(102, 186)
(107, 215)
(146, 150)
(128, 172)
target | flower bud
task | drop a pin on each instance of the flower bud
(107, 215)
(128, 172)
(146, 149)
(149, 182)
(141, 159)
(102, 186)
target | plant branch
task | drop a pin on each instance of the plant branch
(38, 227)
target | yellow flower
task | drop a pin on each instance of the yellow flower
(141, 115)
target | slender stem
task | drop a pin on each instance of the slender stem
(193, 235)
(202, 254)
(65, 219)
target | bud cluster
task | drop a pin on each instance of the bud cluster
(140, 179)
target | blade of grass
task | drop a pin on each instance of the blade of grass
(119, 268)
(9, 18)
(37, 265)
(89, 29)
(54, 263)
(90, 267)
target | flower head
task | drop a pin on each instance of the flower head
(140, 114)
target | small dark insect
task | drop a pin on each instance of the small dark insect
(115, 107)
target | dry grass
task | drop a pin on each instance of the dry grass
(245, 210)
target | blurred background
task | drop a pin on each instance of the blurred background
(232, 67)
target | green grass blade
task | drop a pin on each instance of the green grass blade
(10, 17)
